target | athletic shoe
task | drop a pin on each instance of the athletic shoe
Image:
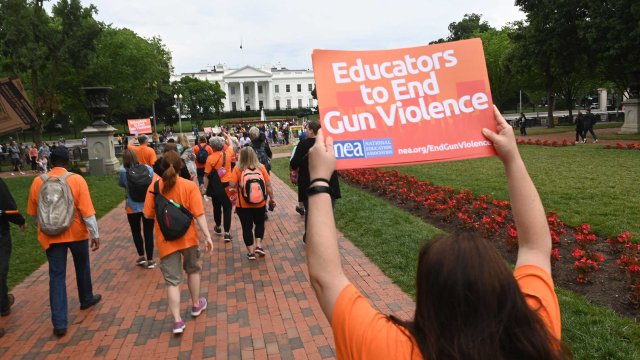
(251, 256)
(60, 332)
(260, 251)
(12, 174)
(178, 327)
(151, 264)
(7, 311)
(96, 299)
(21, 173)
(595, 141)
(141, 261)
(227, 237)
(266, 216)
(217, 230)
(196, 310)
(300, 210)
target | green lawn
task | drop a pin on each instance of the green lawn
(27, 254)
(583, 184)
(393, 239)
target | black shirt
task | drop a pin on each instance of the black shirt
(7, 203)
(300, 161)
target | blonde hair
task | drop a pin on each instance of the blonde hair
(182, 140)
(248, 159)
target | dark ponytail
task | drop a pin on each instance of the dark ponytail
(171, 163)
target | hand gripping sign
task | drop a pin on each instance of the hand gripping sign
(403, 106)
(139, 126)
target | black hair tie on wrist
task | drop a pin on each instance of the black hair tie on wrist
(318, 180)
(313, 190)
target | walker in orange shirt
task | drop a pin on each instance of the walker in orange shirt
(182, 253)
(146, 155)
(468, 303)
(220, 162)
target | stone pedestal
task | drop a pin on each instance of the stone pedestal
(631, 116)
(101, 146)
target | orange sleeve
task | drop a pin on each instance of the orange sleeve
(265, 173)
(84, 204)
(152, 156)
(361, 332)
(32, 205)
(195, 199)
(537, 287)
(149, 210)
(211, 163)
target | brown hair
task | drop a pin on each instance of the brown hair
(171, 163)
(170, 147)
(468, 305)
(129, 158)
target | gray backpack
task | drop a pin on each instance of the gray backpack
(56, 209)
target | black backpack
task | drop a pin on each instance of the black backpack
(138, 180)
(215, 189)
(262, 155)
(202, 154)
(173, 219)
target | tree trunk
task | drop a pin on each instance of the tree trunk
(551, 101)
(36, 133)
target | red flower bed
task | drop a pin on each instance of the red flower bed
(553, 143)
(493, 219)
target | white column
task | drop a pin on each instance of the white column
(271, 100)
(256, 101)
(242, 108)
(602, 99)
(227, 100)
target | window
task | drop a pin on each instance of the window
(299, 103)
(260, 104)
(288, 103)
(259, 89)
(276, 88)
(310, 87)
(232, 90)
(233, 106)
(311, 102)
(246, 89)
(288, 88)
(299, 87)
(277, 104)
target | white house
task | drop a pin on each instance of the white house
(270, 87)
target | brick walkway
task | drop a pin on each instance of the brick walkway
(257, 310)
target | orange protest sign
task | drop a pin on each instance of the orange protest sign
(401, 106)
(139, 126)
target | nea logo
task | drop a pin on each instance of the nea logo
(349, 149)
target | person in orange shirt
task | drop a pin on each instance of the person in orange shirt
(182, 253)
(201, 146)
(146, 155)
(220, 161)
(75, 238)
(468, 303)
(251, 214)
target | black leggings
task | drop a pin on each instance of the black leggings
(147, 224)
(248, 218)
(34, 165)
(220, 207)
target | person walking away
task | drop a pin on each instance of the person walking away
(523, 124)
(146, 155)
(33, 156)
(64, 196)
(251, 179)
(580, 120)
(219, 165)
(187, 155)
(260, 145)
(8, 213)
(182, 252)
(14, 154)
(517, 313)
(135, 179)
(300, 161)
(202, 151)
(589, 123)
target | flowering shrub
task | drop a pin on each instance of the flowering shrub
(620, 146)
(620, 241)
(587, 260)
(553, 143)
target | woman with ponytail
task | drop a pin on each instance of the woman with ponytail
(182, 253)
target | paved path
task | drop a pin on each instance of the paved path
(257, 310)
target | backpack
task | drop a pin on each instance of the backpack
(138, 180)
(262, 155)
(252, 186)
(215, 189)
(202, 154)
(173, 219)
(56, 209)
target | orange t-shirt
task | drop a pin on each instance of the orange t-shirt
(215, 162)
(236, 177)
(82, 200)
(146, 155)
(187, 194)
(196, 148)
(361, 332)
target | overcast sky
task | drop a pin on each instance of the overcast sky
(200, 33)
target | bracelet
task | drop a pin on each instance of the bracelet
(318, 180)
(313, 190)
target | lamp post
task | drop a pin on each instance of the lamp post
(178, 99)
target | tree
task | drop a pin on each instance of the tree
(498, 48)
(468, 27)
(202, 99)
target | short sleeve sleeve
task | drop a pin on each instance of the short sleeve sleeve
(149, 210)
(85, 205)
(195, 200)
(537, 287)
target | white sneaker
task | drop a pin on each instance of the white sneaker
(21, 173)
(595, 141)
(12, 174)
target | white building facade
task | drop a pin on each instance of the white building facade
(270, 87)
